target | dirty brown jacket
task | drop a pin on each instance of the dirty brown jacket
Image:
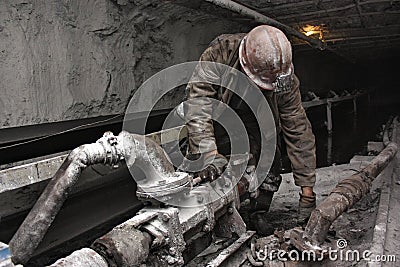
(289, 114)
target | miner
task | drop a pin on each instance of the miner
(265, 56)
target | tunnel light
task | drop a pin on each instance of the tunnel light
(313, 30)
(311, 33)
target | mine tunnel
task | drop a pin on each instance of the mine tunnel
(199, 133)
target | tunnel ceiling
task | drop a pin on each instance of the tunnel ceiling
(356, 29)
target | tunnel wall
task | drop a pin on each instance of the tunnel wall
(63, 60)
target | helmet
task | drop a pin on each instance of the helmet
(266, 57)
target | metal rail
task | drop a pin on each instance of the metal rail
(329, 102)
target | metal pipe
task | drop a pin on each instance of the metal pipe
(167, 227)
(241, 9)
(32, 230)
(115, 248)
(344, 196)
(388, 125)
(109, 149)
(124, 246)
(81, 258)
(145, 153)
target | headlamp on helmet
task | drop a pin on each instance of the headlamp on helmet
(283, 82)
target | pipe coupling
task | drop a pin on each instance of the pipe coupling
(114, 151)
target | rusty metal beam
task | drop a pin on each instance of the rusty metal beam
(291, 6)
(319, 12)
(331, 10)
(286, 6)
(327, 19)
(360, 13)
(363, 38)
(369, 31)
(242, 10)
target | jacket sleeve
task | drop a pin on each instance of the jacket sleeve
(298, 136)
(199, 105)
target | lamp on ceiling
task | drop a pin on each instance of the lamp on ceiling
(310, 30)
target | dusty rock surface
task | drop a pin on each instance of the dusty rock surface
(62, 60)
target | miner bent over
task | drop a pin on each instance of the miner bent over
(265, 56)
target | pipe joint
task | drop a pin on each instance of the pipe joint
(107, 150)
(113, 148)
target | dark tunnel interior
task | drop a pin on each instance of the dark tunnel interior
(70, 70)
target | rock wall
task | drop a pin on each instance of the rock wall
(68, 59)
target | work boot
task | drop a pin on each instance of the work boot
(306, 205)
(258, 221)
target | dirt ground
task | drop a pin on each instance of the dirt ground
(356, 225)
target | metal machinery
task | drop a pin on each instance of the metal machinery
(181, 216)
(161, 234)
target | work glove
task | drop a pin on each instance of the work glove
(216, 164)
(306, 205)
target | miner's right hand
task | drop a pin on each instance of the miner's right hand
(209, 174)
(215, 166)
